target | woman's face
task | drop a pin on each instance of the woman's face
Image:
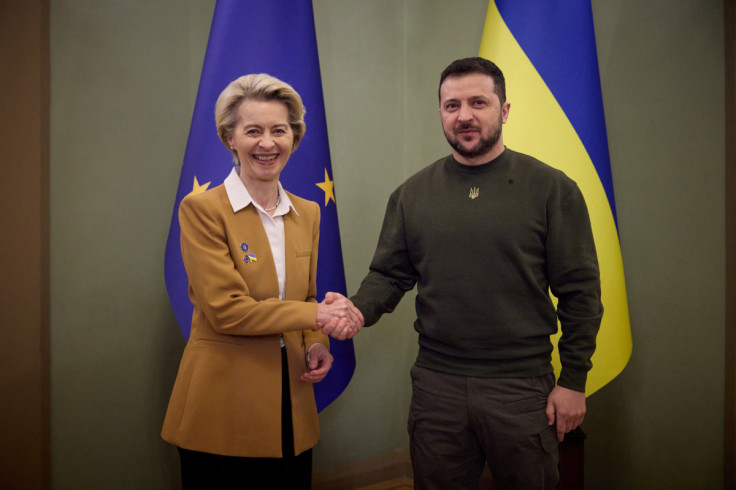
(262, 139)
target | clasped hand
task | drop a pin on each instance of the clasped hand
(338, 317)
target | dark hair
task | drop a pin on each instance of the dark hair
(466, 66)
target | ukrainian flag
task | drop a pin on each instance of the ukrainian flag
(547, 52)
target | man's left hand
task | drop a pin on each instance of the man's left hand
(566, 408)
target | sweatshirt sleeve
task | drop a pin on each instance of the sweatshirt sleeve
(574, 278)
(391, 272)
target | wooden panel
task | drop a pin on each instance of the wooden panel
(729, 470)
(24, 248)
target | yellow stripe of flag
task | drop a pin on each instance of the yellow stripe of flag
(538, 126)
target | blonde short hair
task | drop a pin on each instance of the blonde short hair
(257, 87)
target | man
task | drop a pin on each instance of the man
(485, 234)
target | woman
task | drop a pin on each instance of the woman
(242, 411)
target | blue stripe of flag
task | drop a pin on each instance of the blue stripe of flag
(559, 39)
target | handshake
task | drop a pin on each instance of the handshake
(338, 317)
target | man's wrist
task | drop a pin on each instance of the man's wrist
(573, 380)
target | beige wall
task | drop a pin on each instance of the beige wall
(123, 83)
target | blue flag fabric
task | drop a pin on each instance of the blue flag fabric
(275, 37)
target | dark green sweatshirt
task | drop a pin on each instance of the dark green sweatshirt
(484, 245)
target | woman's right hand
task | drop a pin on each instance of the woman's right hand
(338, 317)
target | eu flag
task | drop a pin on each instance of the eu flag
(547, 52)
(275, 37)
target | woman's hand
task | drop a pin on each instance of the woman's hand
(319, 362)
(338, 317)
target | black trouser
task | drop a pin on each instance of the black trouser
(205, 471)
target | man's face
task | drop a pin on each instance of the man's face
(472, 117)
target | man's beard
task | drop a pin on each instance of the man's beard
(481, 148)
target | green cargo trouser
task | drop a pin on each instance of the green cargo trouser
(458, 423)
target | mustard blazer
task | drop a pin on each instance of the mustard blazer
(227, 395)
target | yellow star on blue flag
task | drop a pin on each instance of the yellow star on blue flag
(198, 189)
(327, 186)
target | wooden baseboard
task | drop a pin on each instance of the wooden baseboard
(392, 471)
(397, 484)
(385, 472)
